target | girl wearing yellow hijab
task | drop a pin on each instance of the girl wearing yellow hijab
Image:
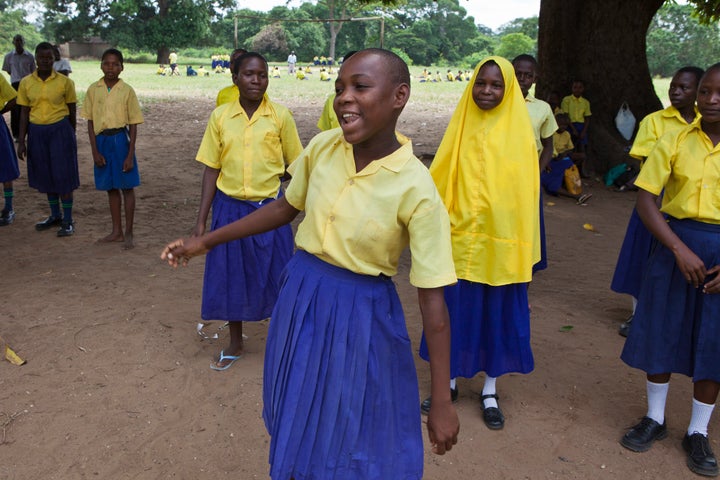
(486, 172)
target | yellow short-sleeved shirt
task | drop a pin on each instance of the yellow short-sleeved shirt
(251, 154)
(228, 94)
(362, 221)
(328, 118)
(687, 165)
(562, 142)
(7, 92)
(48, 99)
(576, 107)
(113, 109)
(654, 126)
(541, 118)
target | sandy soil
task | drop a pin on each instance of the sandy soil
(117, 384)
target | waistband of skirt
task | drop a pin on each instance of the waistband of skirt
(689, 224)
(108, 132)
(227, 198)
(309, 261)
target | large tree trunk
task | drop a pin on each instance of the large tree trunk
(163, 54)
(601, 42)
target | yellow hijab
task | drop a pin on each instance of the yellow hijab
(486, 170)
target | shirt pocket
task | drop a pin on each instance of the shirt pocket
(272, 149)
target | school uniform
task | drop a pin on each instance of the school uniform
(577, 108)
(231, 93)
(486, 170)
(544, 126)
(638, 240)
(328, 119)
(8, 158)
(340, 390)
(552, 181)
(51, 143)
(676, 327)
(242, 277)
(111, 111)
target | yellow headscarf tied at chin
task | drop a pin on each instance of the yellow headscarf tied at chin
(486, 170)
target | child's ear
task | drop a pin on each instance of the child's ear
(402, 94)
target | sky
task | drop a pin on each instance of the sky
(491, 13)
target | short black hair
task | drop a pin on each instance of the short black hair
(44, 46)
(697, 71)
(524, 57)
(398, 68)
(113, 51)
(239, 60)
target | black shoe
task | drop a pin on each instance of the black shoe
(641, 437)
(701, 459)
(492, 416)
(6, 217)
(66, 230)
(625, 326)
(48, 223)
(425, 405)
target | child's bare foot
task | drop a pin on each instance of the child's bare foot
(113, 237)
(129, 244)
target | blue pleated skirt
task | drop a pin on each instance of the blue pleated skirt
(490, 328)
(242, 277)
(676, 328)
(340, 393)
(542, 263)
(8, 158)
(633, 257)
(52, 158)
(552, 181)
(110, 177)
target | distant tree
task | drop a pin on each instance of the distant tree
(270, 41)
(514, 44)
(13, 22)
(527, 26)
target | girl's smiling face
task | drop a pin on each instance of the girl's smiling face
(489, 88)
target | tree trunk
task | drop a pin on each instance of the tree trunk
(163, 54)
(601, 42)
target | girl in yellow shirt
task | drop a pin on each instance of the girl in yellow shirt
(340, 390)
(676, 328)
(486, 170)
(8, 159)
(47, 119)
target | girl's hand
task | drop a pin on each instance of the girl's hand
(128, 164)
(99, 159)
(21, 149)
(443, 427)
(183, 249)
(692, 268)
(713, 286)
(198, 231)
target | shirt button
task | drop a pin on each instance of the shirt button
(332, 218)
(351, 181)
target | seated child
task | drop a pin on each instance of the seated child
(300, 74)
(190, 72)
(202, 72)
(449, 76)
(160, 70)
(276, 72)
(553, 176)
(324, 75)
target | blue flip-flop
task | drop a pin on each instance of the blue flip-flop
(232, 359)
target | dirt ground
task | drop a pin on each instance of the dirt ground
(117, 383)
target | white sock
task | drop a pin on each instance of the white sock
(634, 304)
(657, 394)
(452, 384)
(700, 418)
(489, 389)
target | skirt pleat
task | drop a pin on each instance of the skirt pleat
(340, 391)
(242, 277)
(490, 329)
(676, 328)
(52, 158)
(633, 257)
(9, 170)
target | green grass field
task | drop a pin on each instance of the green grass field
(152, 88)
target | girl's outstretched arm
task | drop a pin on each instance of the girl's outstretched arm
(443, 424)
(689, 264)
(268, 217)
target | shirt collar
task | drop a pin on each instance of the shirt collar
(53, 74)
(393, 162)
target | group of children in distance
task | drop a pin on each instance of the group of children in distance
(340, 389)
(47, 138)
